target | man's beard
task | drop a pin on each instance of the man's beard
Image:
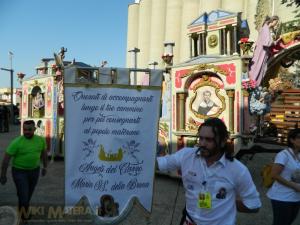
(206, 153)
(28, 136)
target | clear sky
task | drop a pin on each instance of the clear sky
(91, 30)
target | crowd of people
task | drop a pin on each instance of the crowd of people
(4, 118)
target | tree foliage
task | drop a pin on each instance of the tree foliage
(290, 3)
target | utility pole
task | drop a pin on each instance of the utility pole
(153, 65)
(11, 88)
(134, 52)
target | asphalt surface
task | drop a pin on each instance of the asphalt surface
(168, 197)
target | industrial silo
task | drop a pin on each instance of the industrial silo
(144, 33)
(157, 34)
(173, 26)
(189, 13)
(132, 32)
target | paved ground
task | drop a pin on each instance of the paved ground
(168, 199)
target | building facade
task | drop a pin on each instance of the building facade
(205, 48)
(151, 23)
(5, 97)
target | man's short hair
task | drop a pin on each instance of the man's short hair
(29, 122)
(206, 91)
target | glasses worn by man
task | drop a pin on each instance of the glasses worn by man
(216, 185)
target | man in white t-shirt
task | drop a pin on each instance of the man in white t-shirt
(216, 185)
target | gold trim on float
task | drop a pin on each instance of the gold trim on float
(207, 82)
(201, 67)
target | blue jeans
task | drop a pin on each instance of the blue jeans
(284, 213)
(25, 181)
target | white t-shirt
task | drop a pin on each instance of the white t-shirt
(234, 177)
(279, 191)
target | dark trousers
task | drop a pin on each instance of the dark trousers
(25, 181)
(284, 213)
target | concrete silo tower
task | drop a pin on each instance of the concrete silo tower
(208, 6)
(249, 12)
(189, 13)
(132, 31)
(173, 26)
(157, 34)
(144, 33)
(232, 6)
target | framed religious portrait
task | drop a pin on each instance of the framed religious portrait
(206, 100)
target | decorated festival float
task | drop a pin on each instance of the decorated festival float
(207, 85)
(43, 101)
(215, 82)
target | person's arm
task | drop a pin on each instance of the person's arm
(170, 162)
(5, 163)
(244, 209)
(275, 173)
(44, 157)
(248, 200)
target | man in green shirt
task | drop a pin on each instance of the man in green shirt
(26, 153)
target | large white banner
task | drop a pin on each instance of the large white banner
(111, 138)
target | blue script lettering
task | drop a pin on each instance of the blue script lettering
(90, 168)
(134, 184)
(132, 169)
(81, 183)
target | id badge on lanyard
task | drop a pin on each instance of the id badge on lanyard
(204, 197)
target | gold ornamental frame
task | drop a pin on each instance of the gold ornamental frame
(207, 82)
(205, 67)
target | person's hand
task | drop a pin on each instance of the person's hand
(44, 172)
(3, 180)
(276, 42)
(297, 188)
